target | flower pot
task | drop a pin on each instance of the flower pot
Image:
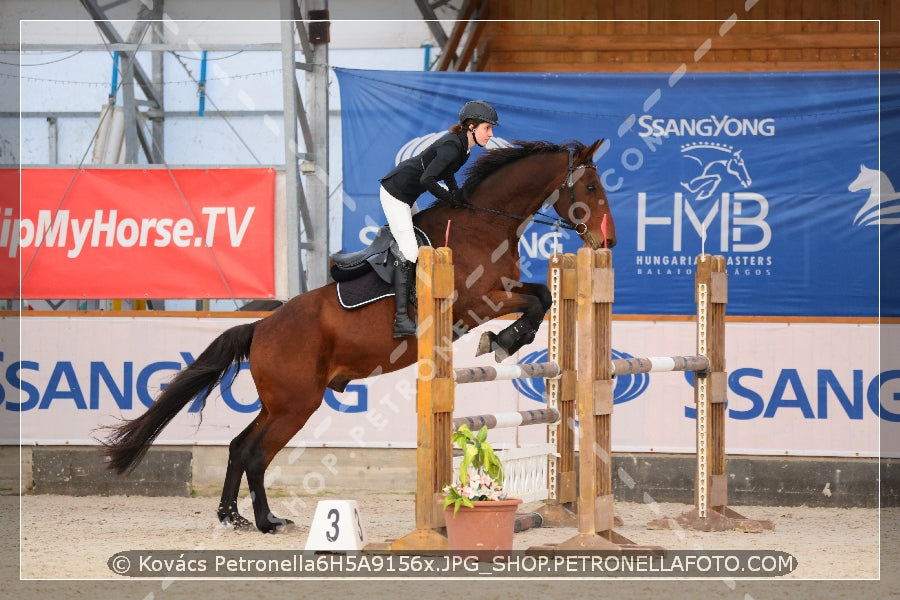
(486, 528)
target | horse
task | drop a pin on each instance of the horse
(311, 343)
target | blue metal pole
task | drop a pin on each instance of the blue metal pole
(202, 85)
(115, 79)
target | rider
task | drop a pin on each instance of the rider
(412, 177)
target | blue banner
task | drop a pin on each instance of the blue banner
(779, 172)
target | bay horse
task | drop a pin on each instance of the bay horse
(311, 343)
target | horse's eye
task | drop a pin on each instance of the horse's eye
(591, 187)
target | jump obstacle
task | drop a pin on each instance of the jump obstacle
(580, 329)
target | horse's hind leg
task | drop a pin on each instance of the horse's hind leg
(228, 507)
(258, 453)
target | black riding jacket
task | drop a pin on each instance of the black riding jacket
(438, 162)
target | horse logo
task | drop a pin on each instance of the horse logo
(716, 162)
(882, 200)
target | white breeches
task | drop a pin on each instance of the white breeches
(399, 218)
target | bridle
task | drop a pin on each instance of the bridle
(580, 227)
(584, 232)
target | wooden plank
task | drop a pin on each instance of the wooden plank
(442, 281)
(603, 285)
(482, 56)
(774, 11)
(690, 42)
(639, 11)
(459, 28)
(565, 432)
(603, 396)
(473, 41)
(718, 387)
(428, 310)
(503, 64)
(594, 351)
(686, 12)
(604, 512)
(587, 348)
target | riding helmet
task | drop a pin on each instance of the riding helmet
(478, 110)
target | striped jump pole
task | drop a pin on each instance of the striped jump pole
(508, 419)
(548, 370)
(658, 364)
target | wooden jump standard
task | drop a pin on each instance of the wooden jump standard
(435, 387)
(589, 286)
(711, 511)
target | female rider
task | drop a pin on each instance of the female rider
(412, 177)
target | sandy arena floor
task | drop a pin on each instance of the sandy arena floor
(70, 539)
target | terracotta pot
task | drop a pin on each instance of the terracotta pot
(486, 528)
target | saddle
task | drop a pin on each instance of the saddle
(379, 256)
(367, 275)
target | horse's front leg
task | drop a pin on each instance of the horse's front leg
(533, 300)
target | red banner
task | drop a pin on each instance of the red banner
(9, 219)
(130, 233)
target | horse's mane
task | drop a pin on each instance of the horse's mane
(496, 158)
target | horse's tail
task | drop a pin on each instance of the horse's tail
(127, 443)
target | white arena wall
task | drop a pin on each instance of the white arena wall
(798, 389)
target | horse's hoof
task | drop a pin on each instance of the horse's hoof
(486, 343)
(277, 525)
(237, 522)
(500, 353)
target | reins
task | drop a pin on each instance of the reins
(580, 228)
(555, 222)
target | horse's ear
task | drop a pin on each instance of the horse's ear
(588, 154)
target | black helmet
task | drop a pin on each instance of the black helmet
(478, 110)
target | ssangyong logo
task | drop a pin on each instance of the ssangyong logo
(628, 387)
(712, 126)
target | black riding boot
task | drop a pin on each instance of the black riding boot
(404, 277)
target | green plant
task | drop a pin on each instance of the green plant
(480, 472)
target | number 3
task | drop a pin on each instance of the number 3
(334, 515)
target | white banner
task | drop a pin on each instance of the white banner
(794, 389)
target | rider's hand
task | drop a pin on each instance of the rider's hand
(457, 200)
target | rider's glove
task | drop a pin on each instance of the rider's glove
(457, 199)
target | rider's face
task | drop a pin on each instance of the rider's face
(482, 133)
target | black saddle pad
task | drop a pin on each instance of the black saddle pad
(363, 290)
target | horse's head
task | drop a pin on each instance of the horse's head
(514, 182)
(581, 200)
(867, 178)
(737, 168)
